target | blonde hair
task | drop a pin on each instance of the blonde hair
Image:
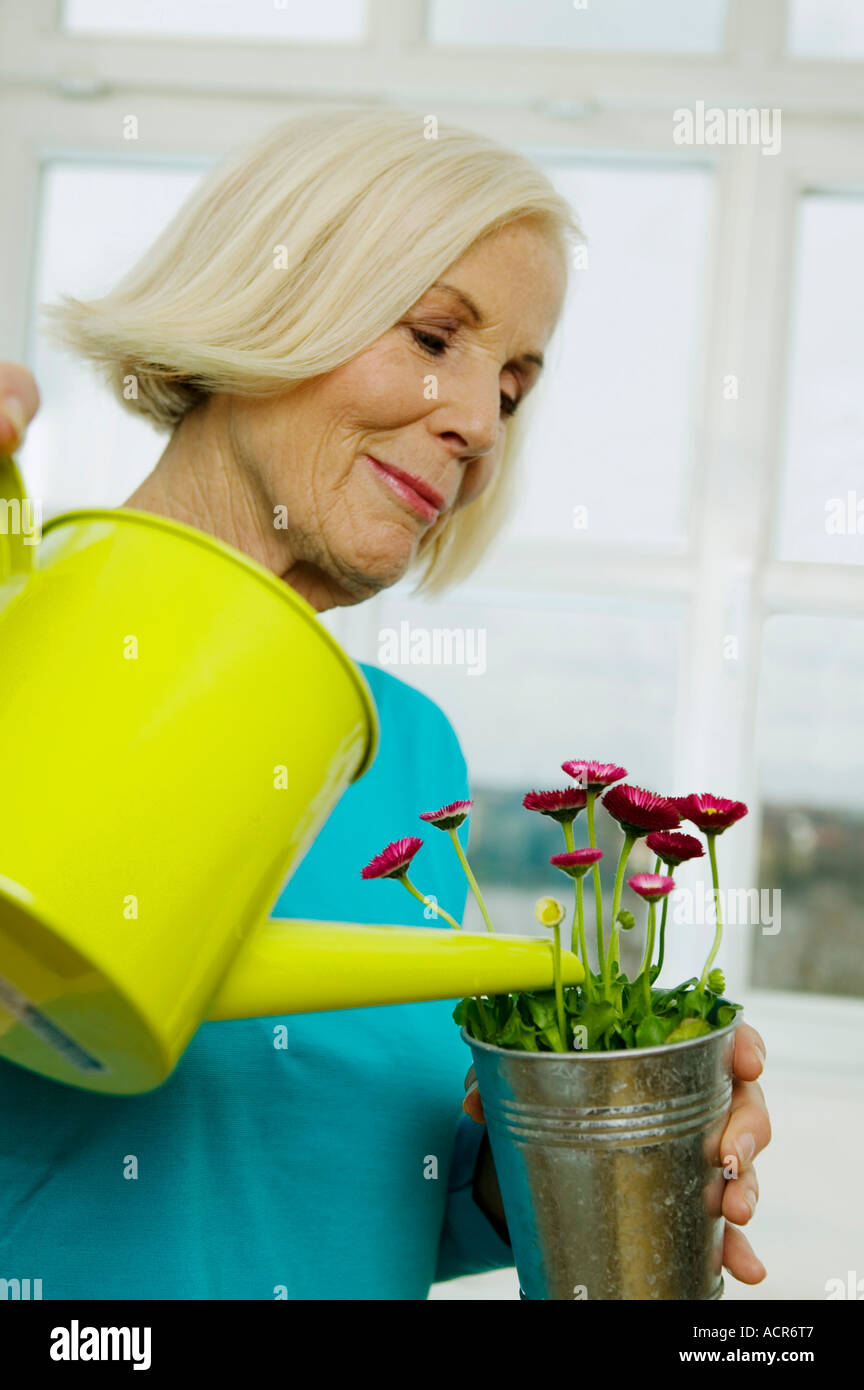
(295, 254)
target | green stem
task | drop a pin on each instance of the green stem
(406, 882)
(656, 870)
(589, 988)
(629, 842)
(662, 936)
(567, 827)
(711, 837)
(577, 930)
(470, 877)
(559, 992)
(598, 897)
(646, 959)
(404, 879)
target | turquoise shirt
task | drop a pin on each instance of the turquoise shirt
(303, 1173)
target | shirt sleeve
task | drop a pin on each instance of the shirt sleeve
(470, 1243)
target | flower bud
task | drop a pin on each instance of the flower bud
(549, 912)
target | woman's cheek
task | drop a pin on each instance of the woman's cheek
(477, 478)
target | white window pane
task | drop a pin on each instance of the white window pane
(822, 493)
(664, 26)
(826, 30)
(83, 449)
(543, 684)
(810, 753)
(552, 673)
(337, 20)
(614, 428)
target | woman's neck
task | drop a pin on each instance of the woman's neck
(200, 480)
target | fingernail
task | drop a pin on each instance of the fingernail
(750, 1199)
(14, 411)
(746, 1149)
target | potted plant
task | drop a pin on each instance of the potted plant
(606, 1101)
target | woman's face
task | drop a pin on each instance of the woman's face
(372, 457)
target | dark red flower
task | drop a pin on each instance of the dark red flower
(394, 860)
(672, 847)
(712, 814)
(576, 862)
(562, 806)
(449, 817)
(592, 776)
(651, 886)
(639, 811)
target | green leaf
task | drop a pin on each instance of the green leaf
(669, 997)
(597, 1017)
(696, 1004)
(574, 999)
(541, 1007)
(476, 1023)
(517, 1034)
(723, 1012)
(689, 1028)
(500, 1006)
(653, 1031)
(544, 1014)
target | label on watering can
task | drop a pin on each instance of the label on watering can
(20, 1007)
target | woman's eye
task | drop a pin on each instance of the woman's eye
(430, 342)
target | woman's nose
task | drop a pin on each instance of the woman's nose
(472, 410)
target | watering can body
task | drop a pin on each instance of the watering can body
(175, 728)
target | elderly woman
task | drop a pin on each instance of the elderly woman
(337, 328)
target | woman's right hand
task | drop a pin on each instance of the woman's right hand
(19, 401)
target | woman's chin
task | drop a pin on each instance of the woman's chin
(384, 565)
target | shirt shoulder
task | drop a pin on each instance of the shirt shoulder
(419, 766)
(402, 706)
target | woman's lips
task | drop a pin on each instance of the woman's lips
(418, 494)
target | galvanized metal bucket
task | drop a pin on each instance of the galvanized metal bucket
(609, 1166)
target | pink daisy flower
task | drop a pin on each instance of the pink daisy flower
(449, 817)
(591, 775)
(562, 806)
(711, 814)
(576, 862)
(672, 847)
(651, 886)
(639, 811)
(393, 861)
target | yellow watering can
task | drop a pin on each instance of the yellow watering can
(175, 728)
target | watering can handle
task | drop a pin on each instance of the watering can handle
(16, 557)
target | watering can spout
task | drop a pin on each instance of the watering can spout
(288, 966)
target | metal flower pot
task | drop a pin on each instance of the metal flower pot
(609, 1166)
